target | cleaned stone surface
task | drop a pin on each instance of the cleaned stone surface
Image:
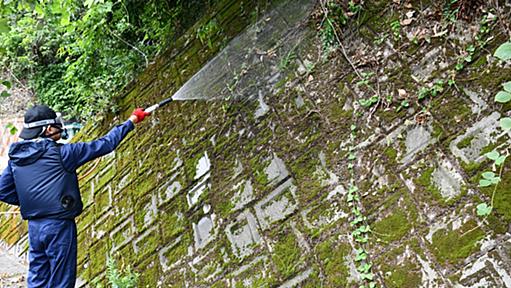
(480, 135)
(277, 205)
(447, 179)
(243, 234)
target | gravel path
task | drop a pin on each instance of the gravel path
(12, 271)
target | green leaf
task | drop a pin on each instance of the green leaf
(503, 97)
(5, 94)
(12, 129)
(484, 183)
(364, 268)
(89, 3)
(500, 160)
(365, 103)
(483, 209)
(353, 189)
(361, 255)
(488, 175)
(357, 220)
(39, 9)
(367, 276)
(361, 239)
(507, 86)
(4, 26)
(505, 123)
(423, 93)
(495, 180)
(493, 155)
(65, 20)
(364, 228)
(504, 51)
(7, 84)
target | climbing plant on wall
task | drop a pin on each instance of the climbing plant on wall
(493, 178)
(77, 54)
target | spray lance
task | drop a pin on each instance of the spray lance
(162, 103)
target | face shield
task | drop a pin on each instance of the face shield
(57, 123)
(61, 125)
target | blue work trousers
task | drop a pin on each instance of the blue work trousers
(52, 253)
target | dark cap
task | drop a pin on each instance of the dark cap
(36, 113)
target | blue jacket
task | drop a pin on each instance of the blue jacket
(41, 175)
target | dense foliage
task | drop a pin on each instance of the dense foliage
(77, 54)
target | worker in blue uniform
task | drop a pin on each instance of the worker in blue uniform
(41, 178)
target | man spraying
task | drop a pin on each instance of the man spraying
(41, 178)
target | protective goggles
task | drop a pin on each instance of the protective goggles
(57, 122)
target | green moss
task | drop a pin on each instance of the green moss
(426, 182)
(492, 78)
(336, 112)
(179, 250)
(391, 156)
(393, 227)
(452, 112)
(491, 147)
(219, 284)
(173, 220)
(332, 254)
(225, 208)
(304, 169)
(151, 272)
(313, 281)
(102, 200)
(317, 215)
(403, 275)
(481, 61)
(471, 167)
(258, 274)
(373, 201)
(497, 223)
(287, 256)
(148, 244)
(466, 142)
(437, 131)
(390, 152)
(502, 202)
(98, 255)
(453, 246)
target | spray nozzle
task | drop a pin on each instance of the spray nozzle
(164, 102)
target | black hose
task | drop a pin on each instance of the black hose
(165, 102)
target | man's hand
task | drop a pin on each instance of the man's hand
(138, 115)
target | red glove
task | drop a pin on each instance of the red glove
(140, 114)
